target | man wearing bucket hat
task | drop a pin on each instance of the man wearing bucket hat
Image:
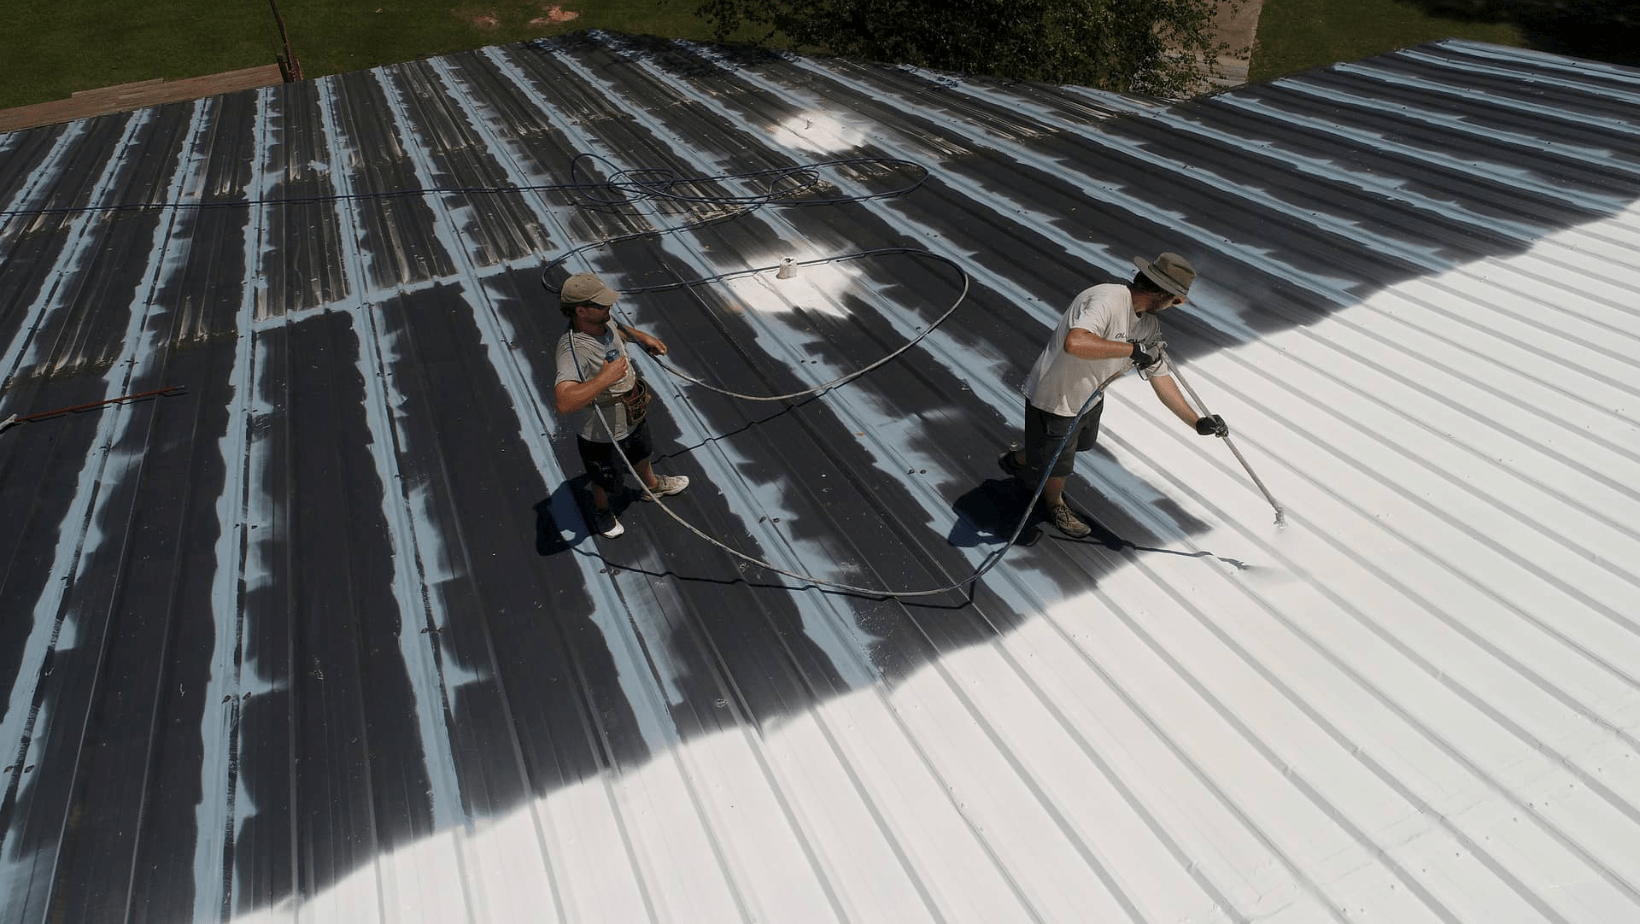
(1106, 328)
(593, 372)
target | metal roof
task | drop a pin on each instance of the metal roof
(324, 637)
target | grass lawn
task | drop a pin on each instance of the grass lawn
(1295, 35)
(48, 51)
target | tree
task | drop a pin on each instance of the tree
(1153, 47)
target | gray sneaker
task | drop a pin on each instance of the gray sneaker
(1066, 521)
(666, 486)
(605, 524)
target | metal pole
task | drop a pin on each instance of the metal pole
(289, 67)
(1281, 515)
(42, 415)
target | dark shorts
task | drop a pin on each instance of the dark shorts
(603, 466)
(1043, 431)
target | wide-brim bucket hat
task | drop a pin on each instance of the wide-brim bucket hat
(1170, 271)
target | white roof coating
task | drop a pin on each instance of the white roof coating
(325, 640)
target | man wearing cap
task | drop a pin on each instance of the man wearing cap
(1106, 328)
(588, 379)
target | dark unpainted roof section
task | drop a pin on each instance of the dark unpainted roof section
(321, 633)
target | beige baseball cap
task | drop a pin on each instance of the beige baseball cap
(582, 288)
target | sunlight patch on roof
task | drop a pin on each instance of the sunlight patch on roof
(817, 132)
(817, 288)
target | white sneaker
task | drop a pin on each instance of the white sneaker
(666, 486)
(605, 524)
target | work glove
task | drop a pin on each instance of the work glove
(1212, 425)
(1143, 357)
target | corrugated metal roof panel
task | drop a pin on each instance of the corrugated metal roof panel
(326, 636)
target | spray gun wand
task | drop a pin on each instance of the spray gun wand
(1281, 515)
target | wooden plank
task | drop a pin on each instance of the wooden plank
(118, 89)
(123, 97)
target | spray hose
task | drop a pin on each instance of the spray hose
(647, 184)
(990, 561)
(661, 184)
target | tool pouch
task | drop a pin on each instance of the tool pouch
(636, 401)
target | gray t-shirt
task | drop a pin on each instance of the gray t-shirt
(1059, 383)
(581, 357)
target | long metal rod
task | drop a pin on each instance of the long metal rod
(1281, 515)
(169, 389)
(289, 67)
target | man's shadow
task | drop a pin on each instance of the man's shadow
(561, 519)
(990, 513)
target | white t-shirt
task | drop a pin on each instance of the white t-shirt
(589, 351)
(1060, 383)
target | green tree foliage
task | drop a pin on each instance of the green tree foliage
(1153, 47)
